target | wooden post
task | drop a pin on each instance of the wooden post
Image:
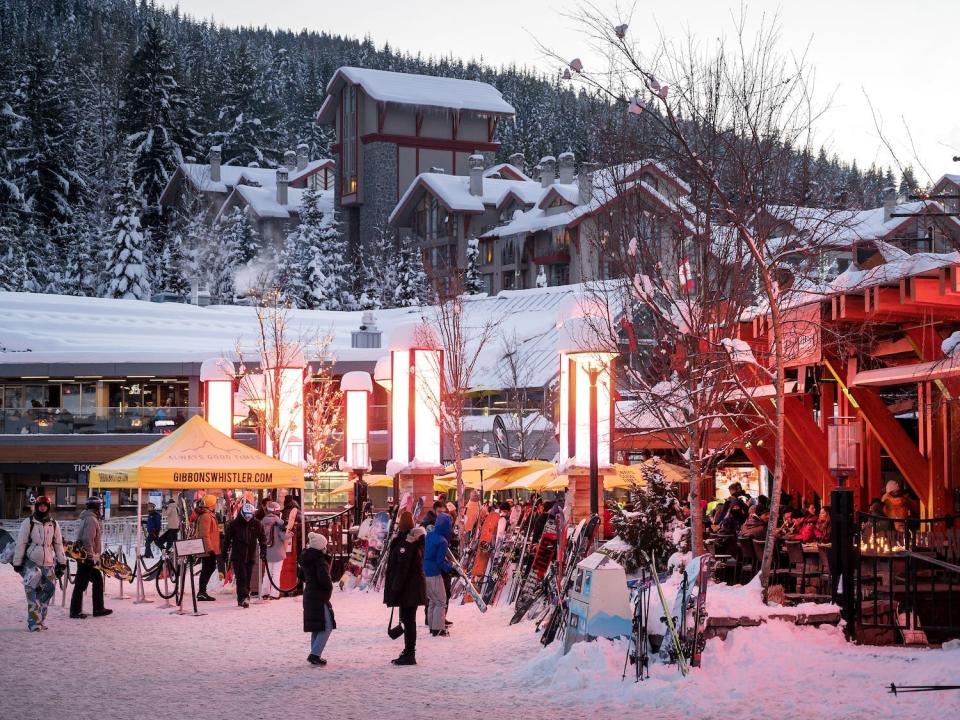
(418, 485)
(578, 494)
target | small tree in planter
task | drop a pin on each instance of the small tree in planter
(650, 518)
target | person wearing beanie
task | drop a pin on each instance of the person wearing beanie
(206, 528)
(318, 618)
(90, 538)
(404, 587)
(435, 563)
(172, 516)
(154, 526)
(275, 530)
(39, 557)
(897, 505)
(243, 535)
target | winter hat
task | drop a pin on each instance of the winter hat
(210, 500)
(94, 502)
(247, 510)
(317, 541)
(451, 508)
(42, 500)
(405, 523)
(273, 507)
(892, 486)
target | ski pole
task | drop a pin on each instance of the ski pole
(898, 689)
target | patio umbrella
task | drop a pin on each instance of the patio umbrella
(476, 467)
(534, 480)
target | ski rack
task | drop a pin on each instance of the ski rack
(639, 639)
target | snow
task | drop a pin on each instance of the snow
(412, 89)
(951, 346)
(453, 191)
(237, 663)
(739, 351)
(233, 175)
(908, 374)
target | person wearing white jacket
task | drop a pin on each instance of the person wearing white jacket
(90, 537)
(39, 557)
(276, 533)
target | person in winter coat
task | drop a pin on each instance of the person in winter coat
(824, 526)
(172, 516)
(242, 536)
(404, 586)
(205, 526)
(154, 525)
(434, 565)
(755, 527)
(318, 619)
(275, 530)
(90, 537)
(38, 557)
(897, 505)
(472, 515)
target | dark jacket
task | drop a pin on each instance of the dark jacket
(435, 549)
(754, 528)
(243, 535)
(154, 522)
(429, 520)
(404, 585)
(317, 588)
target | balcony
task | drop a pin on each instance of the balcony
(552, 254)
(100, 420)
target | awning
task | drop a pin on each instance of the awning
(196, 455)
(907, 374)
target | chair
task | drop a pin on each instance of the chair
(748, 558)
(798, 565)
(725, 560)
(825, 576)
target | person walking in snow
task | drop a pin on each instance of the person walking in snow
(243, 535)
(205, 527)
(172, 516)
(318, 618)
(404, 586)
(90, 538)
(38, 557)
(275, 530)
(434, 565)
(154, 525)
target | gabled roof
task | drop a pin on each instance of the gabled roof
(198, 175)
(507, 172)
(453, 192)
(263, 202)
(409, 89)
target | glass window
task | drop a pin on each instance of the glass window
(13, 396)
(509, 281)
(70, 398)
(88, 404)
(66, 496)
(128, 497)
(36, 396)
(348, 143)
(486, 252)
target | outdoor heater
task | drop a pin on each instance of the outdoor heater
(356, 388)
(843, 449)
(217, 376)
(586, 417)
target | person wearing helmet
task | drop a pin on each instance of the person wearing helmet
(38, 556)
(275, 530)
(242, 536)
(205, 527)
(90, 538)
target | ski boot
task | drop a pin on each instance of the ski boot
(405, 659)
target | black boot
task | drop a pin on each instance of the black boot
(405, 659)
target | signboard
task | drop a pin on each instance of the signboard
(802, 344)
(190, 548)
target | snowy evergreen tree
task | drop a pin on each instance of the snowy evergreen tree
(289, 276)
(245, 132)
(125, 266)
(472, 282)
(239, 235)
(412, 285)
(153, 117)
(328, 277)
(647, 521)
(369, 290)
(83, 261)
(908, 182)
(174, 267)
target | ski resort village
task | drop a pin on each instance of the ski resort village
(544, 362)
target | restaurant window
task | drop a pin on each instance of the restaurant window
(128, 497)
(348, 142)
(66, 496)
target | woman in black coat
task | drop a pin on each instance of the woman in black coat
(404, 587)
(318, 619)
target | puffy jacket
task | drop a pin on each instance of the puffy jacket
(205, 526)
(275, 530)
(90, 533)
(435, 549)
(898, 506)
(243, 535)
(172, 516)
(317, 589)
(404, 585)
(807, 529)
(40, 542)
(754, 528)
(154, 522)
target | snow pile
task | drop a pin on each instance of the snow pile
(736, 601)
(951, 346)
(739, 351)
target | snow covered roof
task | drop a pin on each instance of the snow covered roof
(198, 175)
(411, 89)
(263, 201)
(59, 329)
(507, 172)
(892, 271)
(453, 191)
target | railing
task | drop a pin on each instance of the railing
(907, 579)
(336, 527)
(116, 531)
(99, 420)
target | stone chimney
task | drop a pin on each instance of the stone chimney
(548, 170)
(303, 155)
(889, 203)
(438, 171)
(476, 175)
(566, 162)
(290, 160)
(585, 182)
(283, 181)
(215, 155)
(517, 160)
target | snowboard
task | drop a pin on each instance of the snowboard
(542, 559)
(486, 546)
(579, 546)
(465, 580)
(358, 556)
(376, 536)
(699, 624)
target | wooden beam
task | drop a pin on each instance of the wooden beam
(901, 449)
(883, 305)
(926, 292)
(949, 278)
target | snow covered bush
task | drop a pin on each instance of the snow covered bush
(649, 521)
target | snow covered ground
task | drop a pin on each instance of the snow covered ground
(233, 663)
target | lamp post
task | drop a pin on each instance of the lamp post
(843, 444)
(217, 376)
(356, 388)
(593, 372)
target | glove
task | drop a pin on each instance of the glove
(58, 571)
(18, 569)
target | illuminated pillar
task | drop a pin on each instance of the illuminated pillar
(217, 376)
(283, 391)
(356, 388)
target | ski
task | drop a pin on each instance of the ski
(668, 618)
(580, 544)
(376, 536)
(532, 588)
(700, 610)
(469, 586)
